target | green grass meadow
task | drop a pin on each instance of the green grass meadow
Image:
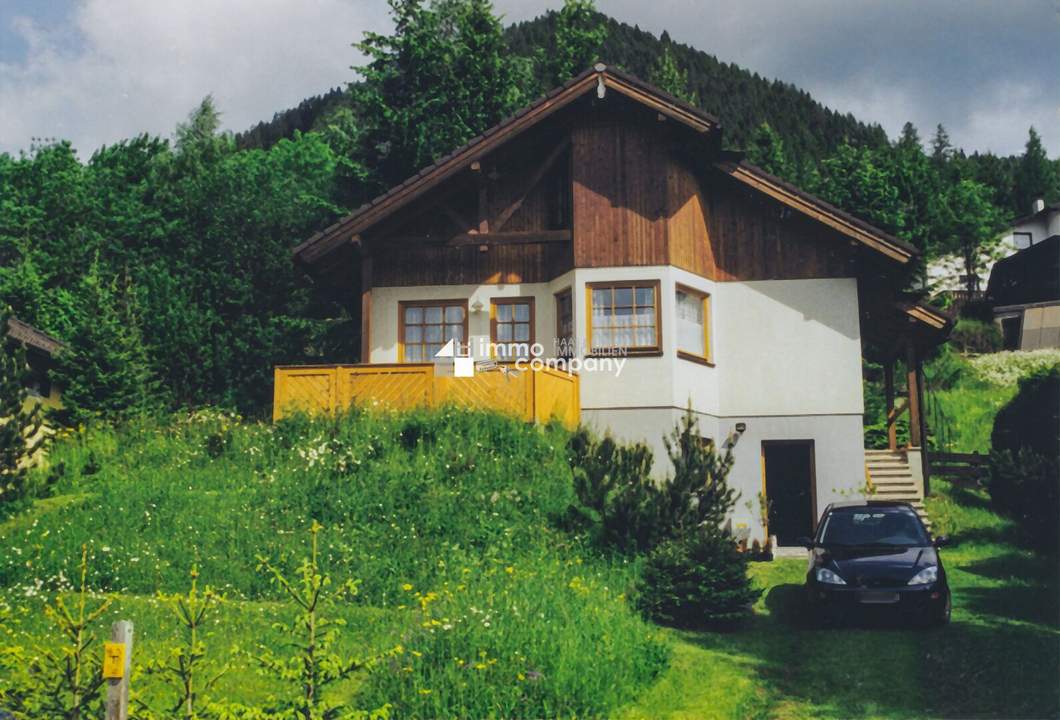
(450, 521)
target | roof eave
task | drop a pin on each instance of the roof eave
(884, 243)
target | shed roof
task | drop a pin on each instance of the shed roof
(32, 337)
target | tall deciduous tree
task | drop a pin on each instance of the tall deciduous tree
(442, 77)
(766, 150)
(667, 75)
(858, 179)
(971, 225)
(580, 33)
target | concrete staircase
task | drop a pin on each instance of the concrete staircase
(893, 478)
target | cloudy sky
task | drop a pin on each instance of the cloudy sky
(95, 71)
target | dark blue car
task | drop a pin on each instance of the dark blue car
(871, 555)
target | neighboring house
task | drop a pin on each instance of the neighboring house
(606, 222)
(41, 350)
(1024, 290)
(1043, 222)
(946, 275)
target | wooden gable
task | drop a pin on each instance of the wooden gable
(605, 171)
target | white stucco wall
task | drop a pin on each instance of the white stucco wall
(788, 347)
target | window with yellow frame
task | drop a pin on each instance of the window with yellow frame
(693, 324)
(624, 317)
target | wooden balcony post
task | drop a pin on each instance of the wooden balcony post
(366, 308)
(888, 390)
(914, 385)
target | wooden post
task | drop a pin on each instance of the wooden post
(913, 385)
(121, 633)
(922, 393)
(366, 308)
(888, 390)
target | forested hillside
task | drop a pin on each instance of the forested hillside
(165, 264)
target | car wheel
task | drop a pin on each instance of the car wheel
(943, 618)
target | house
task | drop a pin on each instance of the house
(1024, 290)
(604, 230)
(1042, 222)
(41, 350)
(946, 275)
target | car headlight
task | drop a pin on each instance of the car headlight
(826, 576)
(926, 576)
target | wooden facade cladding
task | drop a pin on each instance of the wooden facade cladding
(638, 201)
(619, 187)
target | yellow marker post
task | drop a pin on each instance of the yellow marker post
(113, 661)
(117, 667)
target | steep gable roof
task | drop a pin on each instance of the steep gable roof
(599, 79)
(596, 79)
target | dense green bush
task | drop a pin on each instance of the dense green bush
(1031, 420)
(696, 580)
(976, 336)
(1024, 478)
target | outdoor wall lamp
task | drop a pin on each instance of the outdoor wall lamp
(740, 427)
(477, 306)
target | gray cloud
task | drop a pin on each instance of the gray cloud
(986, 69)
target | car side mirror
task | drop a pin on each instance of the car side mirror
(805, 542)
(941, 541)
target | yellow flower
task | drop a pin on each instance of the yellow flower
(480, 666)
(520, 676)
(407, 587)
(509, 569)
(424, 691)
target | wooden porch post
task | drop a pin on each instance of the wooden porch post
(924, 455)
(366, 308)
(888, 390)
(913, 383)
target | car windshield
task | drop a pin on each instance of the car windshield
(872, 526)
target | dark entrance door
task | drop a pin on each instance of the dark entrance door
(789, 471)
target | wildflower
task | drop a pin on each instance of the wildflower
(407, 587)
(509, 569)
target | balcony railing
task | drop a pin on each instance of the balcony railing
(536, 395)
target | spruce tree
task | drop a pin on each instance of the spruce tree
(20, 422)
(106, 374)
(1036, 178)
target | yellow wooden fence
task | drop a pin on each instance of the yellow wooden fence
(537, 395)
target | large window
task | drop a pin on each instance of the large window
(624, 316)
(564, 324)
(693, 324)
(512, 326)
(425, 327)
